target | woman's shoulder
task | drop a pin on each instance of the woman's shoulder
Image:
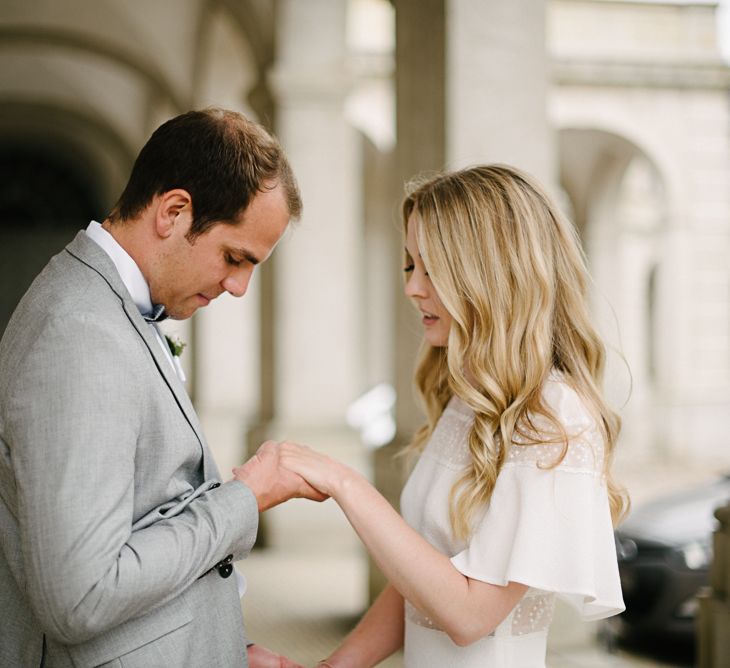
(566, 404)
(572, 442)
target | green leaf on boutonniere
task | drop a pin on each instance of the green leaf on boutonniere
(176, 345)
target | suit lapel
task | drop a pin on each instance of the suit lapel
(164, 367)
(88, 252)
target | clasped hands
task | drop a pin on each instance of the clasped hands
(282, 471)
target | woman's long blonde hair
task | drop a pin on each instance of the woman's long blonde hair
(509, 269)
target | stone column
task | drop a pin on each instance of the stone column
(319, 296)
(471, 83)
(496, 85)
(421, 146)
(420, 129)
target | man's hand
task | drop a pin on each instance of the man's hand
(260, 657)
(270, 482)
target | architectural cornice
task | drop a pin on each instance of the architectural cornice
(711, 76)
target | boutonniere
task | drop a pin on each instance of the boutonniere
(176, 345)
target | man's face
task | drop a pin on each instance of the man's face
(188, 275)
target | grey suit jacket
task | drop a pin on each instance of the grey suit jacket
(110, 512)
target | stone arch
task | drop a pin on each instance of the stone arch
(592, 163)
(86, 139)
(622, 204)
(64, 39)
(55, 179)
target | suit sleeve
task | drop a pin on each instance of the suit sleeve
(74, 419)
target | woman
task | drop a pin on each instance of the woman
(511, 501)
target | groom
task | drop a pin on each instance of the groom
(117, 535)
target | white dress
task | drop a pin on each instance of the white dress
(548, 528)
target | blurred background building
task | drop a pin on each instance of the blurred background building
(620, 106)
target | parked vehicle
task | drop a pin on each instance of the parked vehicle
(664, 552)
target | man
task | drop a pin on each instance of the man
(117, 534)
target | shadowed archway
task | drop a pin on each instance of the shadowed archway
(44, 198)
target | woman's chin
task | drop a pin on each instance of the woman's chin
(436, 339)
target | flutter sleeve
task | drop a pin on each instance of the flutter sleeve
(549, 527)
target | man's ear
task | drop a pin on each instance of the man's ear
(171, 209)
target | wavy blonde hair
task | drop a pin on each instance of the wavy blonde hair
(509, 269)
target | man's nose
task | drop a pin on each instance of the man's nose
(236, 283)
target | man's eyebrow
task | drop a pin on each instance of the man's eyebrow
(244, 254)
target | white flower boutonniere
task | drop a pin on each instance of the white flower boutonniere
(176, 345)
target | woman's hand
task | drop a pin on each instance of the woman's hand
(320, 471)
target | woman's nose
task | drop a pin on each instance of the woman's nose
(414, 286)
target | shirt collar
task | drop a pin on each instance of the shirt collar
(128, 270)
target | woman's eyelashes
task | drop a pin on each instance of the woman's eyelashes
(410, 268)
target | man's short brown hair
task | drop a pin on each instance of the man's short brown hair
(220, 157)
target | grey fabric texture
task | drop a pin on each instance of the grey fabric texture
(109, 512)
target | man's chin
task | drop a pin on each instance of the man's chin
(188, 309)
(181, 313)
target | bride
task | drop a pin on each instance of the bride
(511, 502)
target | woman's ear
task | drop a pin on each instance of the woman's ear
(171, 208)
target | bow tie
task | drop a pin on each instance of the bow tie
(157, 314)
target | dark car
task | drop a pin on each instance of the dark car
(664, 552)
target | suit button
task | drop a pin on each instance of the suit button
(214, 485)
(225, 570)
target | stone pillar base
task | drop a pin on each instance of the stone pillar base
(713, 639)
